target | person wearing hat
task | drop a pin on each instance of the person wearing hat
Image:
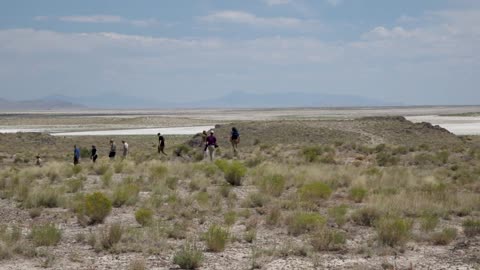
(161, 144)
(211, 145)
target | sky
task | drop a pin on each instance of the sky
(411, 52)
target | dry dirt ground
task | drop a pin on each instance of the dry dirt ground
(181, 214)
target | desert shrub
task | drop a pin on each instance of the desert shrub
(471, 227)
(35, 212)
(125, 194)
(424, 159)
(400, 150)
(302, 222)
(45, 235)
(357, 194)
(273, 184)
(327, 239)
(256, 199)
(273, 216)
(144, 216)
(177, 231)
(97, 207)
(234, 173)
(203, 198)
(188, 257)
(254, 162)
(250, 235)
(386, 159)
(107, 178)
(230, 217)
(84, 152)
(77, 169)
(137, 264)
(338, 214)
(315, 191)
(393, 231)
(442, 156)
(45, 197)
(157, 171)
(444, 237)
(311, 153)
(101, 167)
(207, 168)
(74, 185)
(366, 216)
(216, 238)
(118, 166)
(111, 235)
(172, 182)
(428, 222)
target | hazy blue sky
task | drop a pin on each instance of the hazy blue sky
(409, 51)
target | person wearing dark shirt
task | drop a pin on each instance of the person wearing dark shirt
(113, 150)
(161, 144)
(235, 139)
(76, 155)
(211, 145)
(93, 154)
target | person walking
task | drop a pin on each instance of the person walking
(113, 150)
(204, 144)
(93, 154)
(161, 144)
(234, 139)
(76, 155)
(211, 145)
(125, 149)
(38, 162)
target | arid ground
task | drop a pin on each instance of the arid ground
(314, 191)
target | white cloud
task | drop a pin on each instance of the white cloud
(241, 17)
(101, 18)
(334, 2)
(277, 2)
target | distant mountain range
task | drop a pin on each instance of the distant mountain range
(231, 100)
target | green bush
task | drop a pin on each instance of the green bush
(444, 237)
(311, 153)
(144, 216)
(97, 207)
(366, 216)
(234, 173)
(273, 184)
(256, 199)
(230, 217)
(327, 240)
(393, 231)
(188, 257)
(357, 194)
(125, 194)
(45, 235)
(338, 214)
(315, 191)
(386, 159)
(216, 238)
(428, 222)
(302, 222)
(471, 227)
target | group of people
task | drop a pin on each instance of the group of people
(210, 142)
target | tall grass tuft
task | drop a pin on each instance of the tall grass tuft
(216, 238)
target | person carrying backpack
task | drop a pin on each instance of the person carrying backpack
(234, 139)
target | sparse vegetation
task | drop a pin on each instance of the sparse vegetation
(302, 222)
(216, 238)
(144, 216)
(97, 207)
(471, 227)
(393, 231)
(45, 235)
(315, 191)
(188, 257)
(445, 237)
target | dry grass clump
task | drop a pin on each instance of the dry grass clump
(74, 185)
(366, 216)
(216, 238)
(303, 222)
(111, 235)
(45, 235)
(326, 239)
(256, 199)
(428, 222)
(230, 218)
(393, 231)
(125, 194)
(445, 237)
(137, 264)
(144, 216)
(188, 257)
(273, 184)
(314, 191)
(273, 216)
(357, 194)
(338, 214)
(107, 178)
(44, 197)
(471, 227)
